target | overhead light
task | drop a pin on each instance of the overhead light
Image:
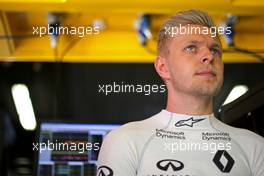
(235, 93)
(99, 24)
(24, 107)
(143, 28)
(230, 23)
(54, 22)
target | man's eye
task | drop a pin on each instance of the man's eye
(215, 51)
(191, 48)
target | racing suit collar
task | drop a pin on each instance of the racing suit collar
(188, 121)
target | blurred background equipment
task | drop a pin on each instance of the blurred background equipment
(7, 139)
(69, 148)
(247, 111)
(90, 31)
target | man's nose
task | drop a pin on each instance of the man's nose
(207, 56)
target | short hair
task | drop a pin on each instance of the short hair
(189, 17)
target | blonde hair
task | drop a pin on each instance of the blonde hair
(189, 17)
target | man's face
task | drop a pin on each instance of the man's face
(195, 64)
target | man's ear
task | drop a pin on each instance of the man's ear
(161, 66)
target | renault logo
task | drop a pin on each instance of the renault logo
(105, 171)
(224, 167)
(175, 165)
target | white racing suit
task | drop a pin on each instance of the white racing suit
(170, 144)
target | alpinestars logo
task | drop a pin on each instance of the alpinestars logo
(166, 164)
(189, 122)
(105, 171)
(218, 158)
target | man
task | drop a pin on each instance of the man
(185, 139)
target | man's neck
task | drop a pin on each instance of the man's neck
(189, 105)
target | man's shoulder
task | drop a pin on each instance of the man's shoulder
(242, 135)
(136, 129)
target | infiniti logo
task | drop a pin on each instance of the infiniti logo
(105, 171)
(175, 165)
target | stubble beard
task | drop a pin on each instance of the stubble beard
(208, 89)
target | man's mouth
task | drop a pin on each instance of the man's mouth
(206, 73)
